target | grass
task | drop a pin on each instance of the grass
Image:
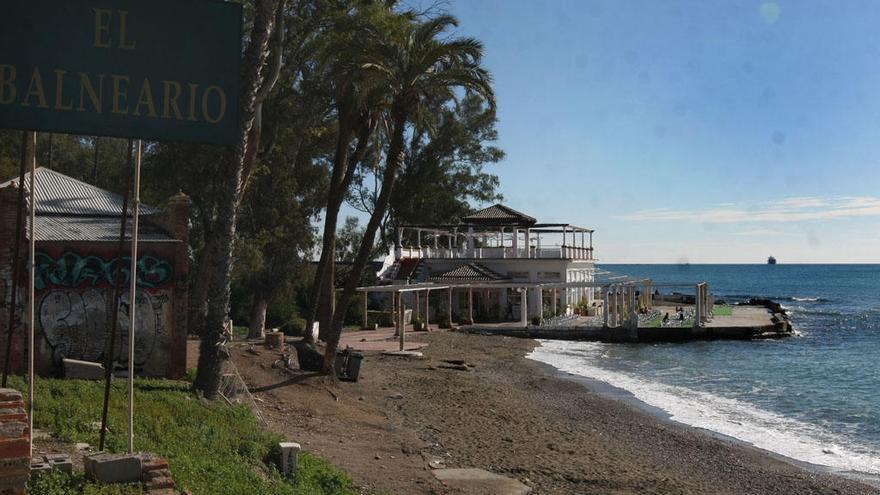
(722, 310)
(655, 322)
(240, 333)
(212, 447)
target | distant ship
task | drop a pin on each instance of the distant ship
(771, 260)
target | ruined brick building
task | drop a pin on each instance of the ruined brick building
(77, 235)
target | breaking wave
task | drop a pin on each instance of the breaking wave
(735, 418)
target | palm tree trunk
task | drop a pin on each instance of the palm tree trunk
(325, 274)
(257, 327)
(211, 355)
(395, 159)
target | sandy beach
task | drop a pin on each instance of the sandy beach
(509, 415)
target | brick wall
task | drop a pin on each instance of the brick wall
(14, 443)
(86, 306)
(8, 205)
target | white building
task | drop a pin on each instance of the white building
(497, 249)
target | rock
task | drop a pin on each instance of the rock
(454, 361)
(459, 367)
(310, 358)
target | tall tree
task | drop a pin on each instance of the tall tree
(414, 66)
(357, 104)
(220, 244)
(444, 169)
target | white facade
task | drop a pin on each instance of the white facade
(513, 246)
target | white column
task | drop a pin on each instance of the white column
(401, 324)
(562, 248)
(605, 306)
(524, 305)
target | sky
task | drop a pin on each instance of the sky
(700, 131)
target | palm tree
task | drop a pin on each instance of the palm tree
(413, 66)
(356, 103)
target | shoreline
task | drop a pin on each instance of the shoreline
(607, 390)
(512, 416)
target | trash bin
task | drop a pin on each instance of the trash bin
(348, 365)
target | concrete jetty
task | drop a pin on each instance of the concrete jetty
(757, 319)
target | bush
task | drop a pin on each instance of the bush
(295, 326)
(536, 321)
(381, 318)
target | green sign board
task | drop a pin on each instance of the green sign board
(157, 69)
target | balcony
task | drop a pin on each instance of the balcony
(555, 252)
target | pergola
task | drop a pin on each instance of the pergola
(622, 294)
(398, 305)
(468, 235)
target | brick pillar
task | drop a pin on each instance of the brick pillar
(178, 216)
(15, 455)
(8, 206)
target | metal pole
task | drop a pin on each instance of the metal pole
(16, 252)
(132, 306)
(114, 313)
(31, 302)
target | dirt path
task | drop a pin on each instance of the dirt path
(507, 415)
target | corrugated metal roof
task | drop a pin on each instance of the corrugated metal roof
(58, 194)
(470, 272)
(93, 229)
(499, 215)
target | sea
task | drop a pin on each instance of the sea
(814, 397)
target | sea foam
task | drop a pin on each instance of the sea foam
(732, 417)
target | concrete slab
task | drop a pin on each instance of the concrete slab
(473, 480)
(407, 354)
(113, 468)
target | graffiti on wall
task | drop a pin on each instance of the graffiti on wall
(76, 322)
(72, 270)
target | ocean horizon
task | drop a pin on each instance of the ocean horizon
(811, 397)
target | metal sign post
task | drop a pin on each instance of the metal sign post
(132, 298)
(31, 302)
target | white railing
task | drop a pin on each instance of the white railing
(557, 252)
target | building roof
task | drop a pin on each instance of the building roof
(93, 229)
(469, 272)
(58, 194)
(499, 214)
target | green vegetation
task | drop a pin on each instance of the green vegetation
(58, 483)
(212, 447)
(655, 322)
(722, 311)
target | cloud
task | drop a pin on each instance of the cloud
(786, 210)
